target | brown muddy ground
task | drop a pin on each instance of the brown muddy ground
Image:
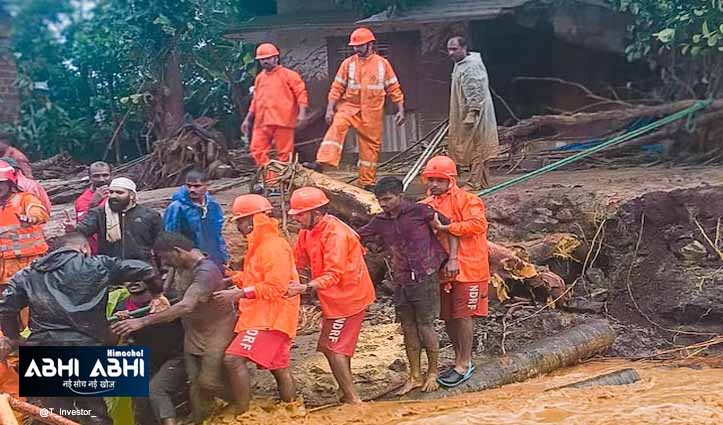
(668, 393)
(575, 202)
(670, 281)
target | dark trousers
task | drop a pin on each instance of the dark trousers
(167, 386)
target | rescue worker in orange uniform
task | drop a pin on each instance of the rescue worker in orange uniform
(465, 296)
(21, 242)
(280, 102)
(334, 253)
(356, 99)
(267, 317)
(21, 233)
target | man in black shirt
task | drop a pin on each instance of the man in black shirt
(125, 230)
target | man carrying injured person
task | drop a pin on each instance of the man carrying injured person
(333, 252)
(417, 257)
(465, 296)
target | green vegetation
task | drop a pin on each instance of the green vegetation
(683, 37)
(87, 66)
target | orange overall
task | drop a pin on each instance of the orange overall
(21, 243)
(278, 94)
(360, 88)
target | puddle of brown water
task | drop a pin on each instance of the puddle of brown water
(666, 394)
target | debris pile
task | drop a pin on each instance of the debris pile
(196, 145)
(60, 166)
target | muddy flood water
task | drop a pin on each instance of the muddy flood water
(687, 392)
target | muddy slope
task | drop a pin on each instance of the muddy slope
(675, 271)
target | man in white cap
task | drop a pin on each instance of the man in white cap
(125, 230)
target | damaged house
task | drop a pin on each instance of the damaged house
(580, 41)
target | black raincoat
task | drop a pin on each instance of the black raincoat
(67, 293)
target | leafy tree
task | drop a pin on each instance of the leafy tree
(125, 69)
(692, 26)
(684, 37)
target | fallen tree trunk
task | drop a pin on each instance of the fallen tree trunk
(39, 414)
(7, 417)
(619, 377)
(355, 205)
(566, 349)
(597, 123)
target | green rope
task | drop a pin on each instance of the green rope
(687, 112)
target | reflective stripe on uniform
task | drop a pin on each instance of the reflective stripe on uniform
(340, 80)
(4, 229)
(332, 143)
(367, 164)
(390, 81)
(375, 86)
(352, 76)
(18, 242)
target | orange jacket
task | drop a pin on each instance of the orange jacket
(466, 212)
(361, 84)
(335, 255)
(277, 97)
(268, 269)
(19, 239)
(31, 186)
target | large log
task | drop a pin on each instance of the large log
(566, 349)
(354, 205)
(7, 417)
(40, 415)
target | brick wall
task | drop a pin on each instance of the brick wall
(9, 98)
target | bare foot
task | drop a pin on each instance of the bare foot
(355, 400)
(409, 386)
(430, 384)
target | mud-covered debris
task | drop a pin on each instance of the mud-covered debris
(691, 251)
(398, 366)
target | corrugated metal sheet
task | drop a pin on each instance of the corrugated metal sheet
(396, 139)
(445, 10)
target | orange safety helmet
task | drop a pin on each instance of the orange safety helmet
(246, 205)
(440, 167)
(266, 50)
(361, 36)
(7, 173)
(307, 199)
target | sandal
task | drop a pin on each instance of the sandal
(446, 370)
(455, 378)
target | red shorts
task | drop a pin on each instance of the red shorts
(269, 349)
(340, 335)
(465, 299)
